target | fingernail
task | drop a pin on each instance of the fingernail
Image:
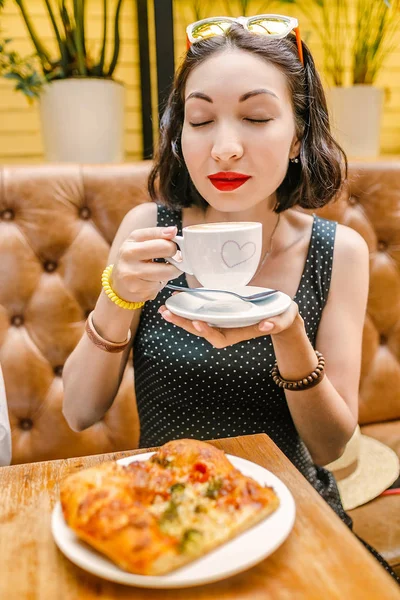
(169, 230)
(166, 315)
(266, 326)
(161, 310)
(197, 326)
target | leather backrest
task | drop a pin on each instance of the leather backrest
(371, 205)
(56, 226)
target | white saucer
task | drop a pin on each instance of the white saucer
(235, 556)
(222, 310)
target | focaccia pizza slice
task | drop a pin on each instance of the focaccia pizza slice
(155, 516)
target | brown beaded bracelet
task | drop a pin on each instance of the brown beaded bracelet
(301, 384)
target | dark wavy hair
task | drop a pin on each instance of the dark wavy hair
(322, 168)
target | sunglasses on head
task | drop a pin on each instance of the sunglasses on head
(274, 26)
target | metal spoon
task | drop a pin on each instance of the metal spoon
(252, 298)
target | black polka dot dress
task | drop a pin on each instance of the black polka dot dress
(185, 388)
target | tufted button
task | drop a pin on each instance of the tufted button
(383, 340)
(58, 370)
(7, 215)
(382, 245)
(353, 200)
(84, 213)
(50, 266)
(26, 424)
(17, 320)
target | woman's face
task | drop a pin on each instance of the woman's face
(238, 132)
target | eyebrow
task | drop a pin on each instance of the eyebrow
(242, 98)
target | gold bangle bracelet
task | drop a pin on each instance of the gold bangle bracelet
(105, 282)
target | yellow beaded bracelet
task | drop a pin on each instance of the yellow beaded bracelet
(105, 282)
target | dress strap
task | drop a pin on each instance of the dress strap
(313, 291)
(168, 218)
(317, 271)
(323, 244)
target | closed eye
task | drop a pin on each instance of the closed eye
(200, 124)
(258, 120)
(246, 119)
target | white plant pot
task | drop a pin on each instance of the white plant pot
(83, 120)
(356, 115)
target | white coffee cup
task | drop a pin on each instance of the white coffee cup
(221, 256)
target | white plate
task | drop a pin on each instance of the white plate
(235, 556)
(222, 310)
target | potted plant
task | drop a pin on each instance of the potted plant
(21, 70)
(359, 35)
(82, 105)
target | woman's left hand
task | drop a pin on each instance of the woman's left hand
(220, 338)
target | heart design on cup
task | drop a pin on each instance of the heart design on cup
(233, 254)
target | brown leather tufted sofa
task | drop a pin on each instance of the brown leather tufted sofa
(56, 225)
(371, 205)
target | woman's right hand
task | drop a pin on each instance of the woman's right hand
(135, 277)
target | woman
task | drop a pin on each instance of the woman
(250, 104)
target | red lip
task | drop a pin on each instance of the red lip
(227, 181)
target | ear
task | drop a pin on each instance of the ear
(295, 148)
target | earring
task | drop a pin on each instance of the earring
(294, 160)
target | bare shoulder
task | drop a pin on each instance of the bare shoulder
(143, 215)
(350, 247)
(350, 269)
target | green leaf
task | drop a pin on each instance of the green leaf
(40, 49)
(14, 76)
(98, 70)
(57, 33)
(114, 59)
(67, 19)
(78, 37)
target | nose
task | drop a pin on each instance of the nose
(226, 147)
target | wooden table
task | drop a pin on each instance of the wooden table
(321, 559)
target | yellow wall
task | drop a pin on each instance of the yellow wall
(389, 77)
(20, 140)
